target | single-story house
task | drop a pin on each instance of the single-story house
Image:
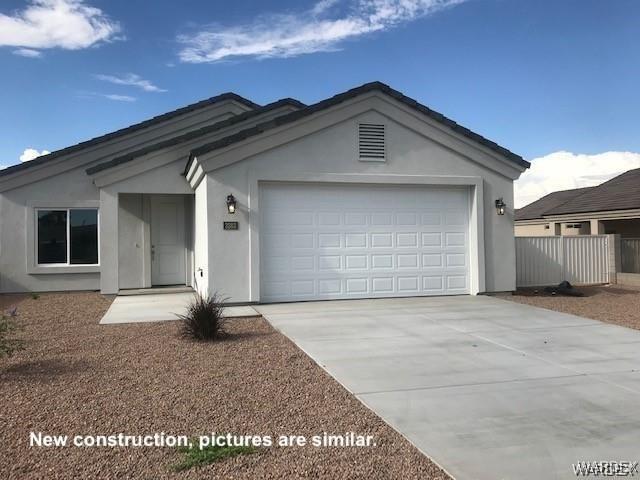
(364, 194)
(610, 208)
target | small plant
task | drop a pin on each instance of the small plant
(204, 320)
(35, 296)
(8, 345)
(195, 457)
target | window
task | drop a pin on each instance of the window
(67, 236)
(574, 225)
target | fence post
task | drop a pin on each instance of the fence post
(615, 258)
(561, 257)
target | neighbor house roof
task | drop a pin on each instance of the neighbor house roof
(619, 193)
(546, 204)
(342, 97)
(194, 134)
(131, 129)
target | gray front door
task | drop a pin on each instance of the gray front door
(168, 256)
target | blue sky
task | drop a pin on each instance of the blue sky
(538, 77)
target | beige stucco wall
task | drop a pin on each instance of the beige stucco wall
(585, 229)
(539, 230)
(532, 231)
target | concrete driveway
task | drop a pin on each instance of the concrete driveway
(487, 388)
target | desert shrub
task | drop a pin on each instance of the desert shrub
(8, 344)
(204, 320)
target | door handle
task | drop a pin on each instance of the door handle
(153, 252)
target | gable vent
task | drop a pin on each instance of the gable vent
(371, 142)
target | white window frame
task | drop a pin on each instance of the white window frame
(33, 267)
(68, 237)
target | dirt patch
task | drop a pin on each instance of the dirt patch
(78, 377)
(612, 304)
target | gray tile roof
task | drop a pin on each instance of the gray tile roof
(192, 135)
(335, 100)
(541, 207)
(124, 131)
(619, 193)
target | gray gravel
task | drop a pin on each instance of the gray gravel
(78, 377)
(611, 303)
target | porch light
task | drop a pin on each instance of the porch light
(231, 204)
(500, 206)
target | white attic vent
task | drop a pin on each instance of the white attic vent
(371, 142)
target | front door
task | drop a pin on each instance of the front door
(168, 255)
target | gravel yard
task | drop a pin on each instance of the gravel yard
(78, 377)
(613, 304)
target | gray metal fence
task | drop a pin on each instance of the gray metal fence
(630, 255)
(582, 259)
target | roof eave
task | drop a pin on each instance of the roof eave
(115, 162)
(355, 92)
(14, 170)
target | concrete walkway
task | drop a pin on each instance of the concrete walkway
(487, 388)
(159, 307)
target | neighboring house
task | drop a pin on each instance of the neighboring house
(365, 194)
(612, 207)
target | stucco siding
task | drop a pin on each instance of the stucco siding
(532, 231)
(334, 150)
(64, 181)
(201, 238)
(131, 241)
(15, 212)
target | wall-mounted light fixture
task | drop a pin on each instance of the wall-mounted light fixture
(500, 206)
(231, 204)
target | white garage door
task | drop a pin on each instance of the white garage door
(328, 241)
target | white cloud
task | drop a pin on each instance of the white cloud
(31, 153)
(67, 24)
(322, 6)
(109, 96)
(27, 52)
(314, 30)
(565, 170)
(132, 80)
(119, 98)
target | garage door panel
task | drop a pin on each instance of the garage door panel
(357, 286)
(304, 264)
(350, 241)
(381, 260)
(407, 239)
(381, 240)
